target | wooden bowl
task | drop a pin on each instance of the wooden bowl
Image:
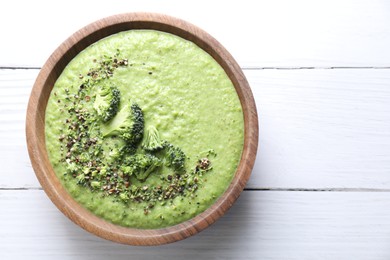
(35, 128)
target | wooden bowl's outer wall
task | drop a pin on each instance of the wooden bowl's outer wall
(35, 128)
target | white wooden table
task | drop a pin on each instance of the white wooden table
(320, 73)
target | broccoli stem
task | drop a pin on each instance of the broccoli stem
(152, 139)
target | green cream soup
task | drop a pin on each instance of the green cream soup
(177, 159)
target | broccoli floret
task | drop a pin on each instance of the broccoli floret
(140, 165)
(124, 196)
(95, 184)
(71, 167)
(127, 124)
(107, 102)
(174, 157)
(80, 178)
(152, 139)
(114, 153)
(128, 149)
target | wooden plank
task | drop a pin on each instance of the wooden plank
(322, 128)
(258, 33)
(261, 225)
(318, 128)
(16, 170)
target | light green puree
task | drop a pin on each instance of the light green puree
(184, 93)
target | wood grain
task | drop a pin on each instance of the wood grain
(277, 33)
(262, 225)
(321, 129)
(35, 129)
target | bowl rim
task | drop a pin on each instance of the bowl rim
(35, 121)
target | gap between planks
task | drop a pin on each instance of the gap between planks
(256, 189)
(246, 189)
(250, 68)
